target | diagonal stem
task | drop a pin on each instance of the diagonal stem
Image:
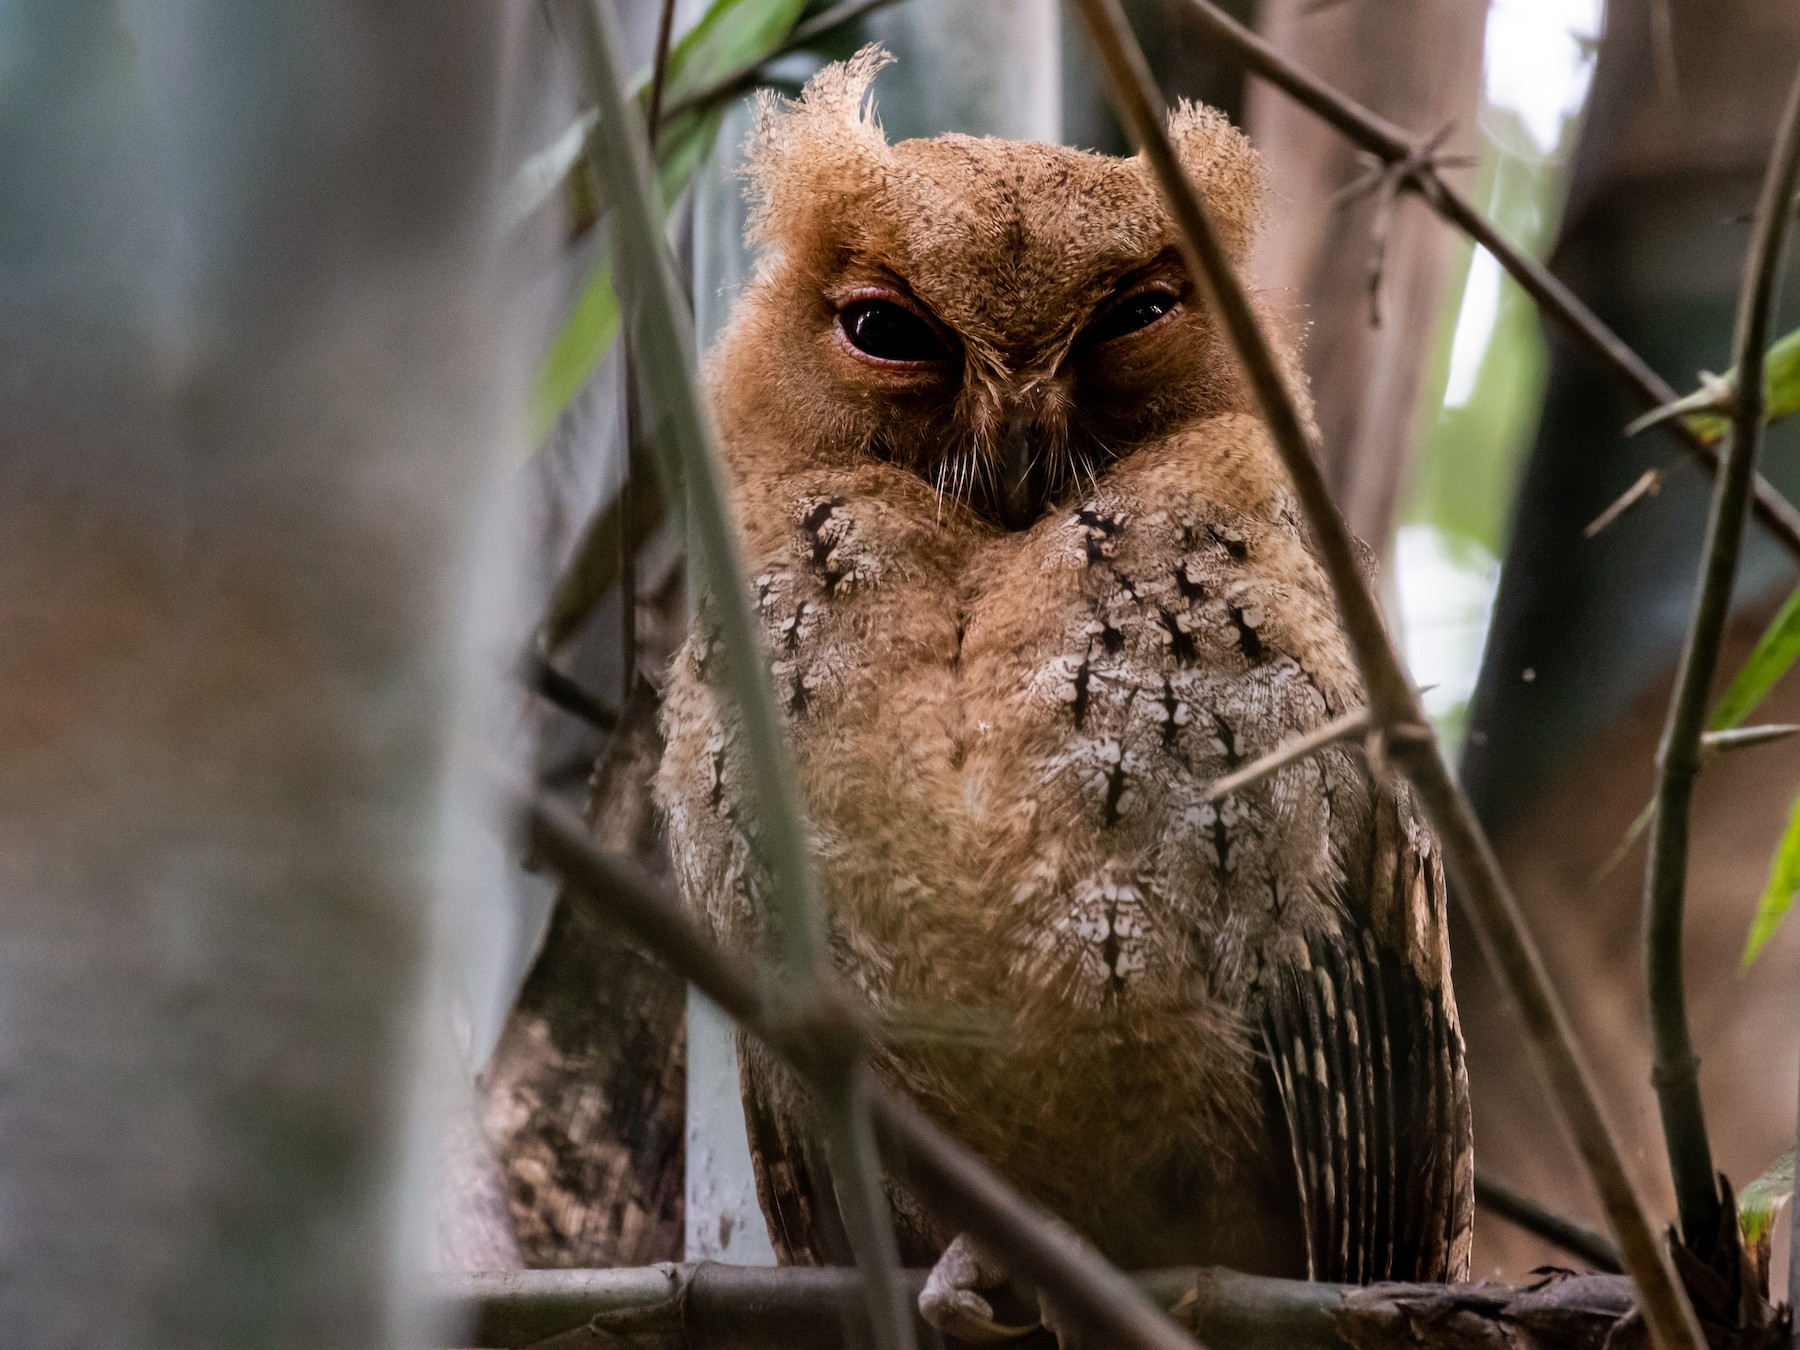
(1392, 701)
(1522, 1211)
(1676, 1071)
(1579, 323)
(663, 326)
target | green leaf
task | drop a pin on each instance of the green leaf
(1761, 1202)
(731, 34)
(1775, 651)
(582, 341)
(1781, 393)
(1778, 895)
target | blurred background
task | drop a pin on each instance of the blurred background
(317, 501)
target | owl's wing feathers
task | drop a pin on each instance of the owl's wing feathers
(1367, 1062)
(793, 1177)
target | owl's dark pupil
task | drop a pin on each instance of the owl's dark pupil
(1129, 315)
(890, 332)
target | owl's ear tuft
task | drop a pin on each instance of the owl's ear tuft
(1227, 168)
(820, 148)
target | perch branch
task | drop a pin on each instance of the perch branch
(747, 75)
(719, 1307)
(957, 1185)
(1376, 134)
(1522, 1211)
(664, 335)
(1676, 1074)
(1392, 702)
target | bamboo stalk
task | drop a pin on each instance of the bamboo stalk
(664, 332)
(1391, 699)
(1676, 1071)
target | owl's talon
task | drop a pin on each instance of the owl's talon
(949, 1301)
(1056, 1321)
(964, 1315)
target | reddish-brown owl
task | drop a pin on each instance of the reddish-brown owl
(1032, 579)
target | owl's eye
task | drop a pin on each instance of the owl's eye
(888, 331)
(1135, 312)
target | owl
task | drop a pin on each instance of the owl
(1031, 579)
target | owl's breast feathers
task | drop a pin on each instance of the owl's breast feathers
(1006, 742)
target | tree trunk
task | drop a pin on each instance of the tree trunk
(1575, 683)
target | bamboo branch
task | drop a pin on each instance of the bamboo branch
(1745, 738)
(748, 75)
(1676, 1072)
(802, 1307)
(1391, 699)
(719, 1307)
(1381, 137)
(959, 1187)
(1521, 1211)
(664, 332)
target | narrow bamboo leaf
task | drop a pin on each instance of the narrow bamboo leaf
(1778, 895)
(585, 335)
(1775, 651)
(1761, 1202)
(730, 34)
(540, 176)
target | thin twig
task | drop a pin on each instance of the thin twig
(1676, 1074)
(1648, 484)
(634, 416)
(558, 690)
(664, 327)
(1392, 702)
(1501, 1200)
(1743, 738)
(1374, 132)
(751, 72)
(1342, 728)
(960, 1188)
(659, 72)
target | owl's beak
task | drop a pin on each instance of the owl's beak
(1021, 474)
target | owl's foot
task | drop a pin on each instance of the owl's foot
(950, 1302)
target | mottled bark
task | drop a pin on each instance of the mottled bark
(586, 1092)
(1417, 63)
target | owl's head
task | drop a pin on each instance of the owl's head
(1002, 318)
